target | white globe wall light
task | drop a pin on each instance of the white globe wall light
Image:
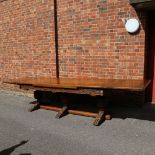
(132, 25)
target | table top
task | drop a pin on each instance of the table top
(76, 83)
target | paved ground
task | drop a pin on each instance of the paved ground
(130, 132)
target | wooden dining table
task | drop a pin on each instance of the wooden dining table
(89, 86)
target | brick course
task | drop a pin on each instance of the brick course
(92, 39)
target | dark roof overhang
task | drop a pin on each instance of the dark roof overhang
(143, 4)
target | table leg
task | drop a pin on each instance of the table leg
(36, 104)
(102, 114)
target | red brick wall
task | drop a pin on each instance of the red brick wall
(92, 39)
(26, 38)
(94, 42)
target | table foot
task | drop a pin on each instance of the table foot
(108, 117)
(62, 112)
(99, 118)
(33, 102)
(35, 106)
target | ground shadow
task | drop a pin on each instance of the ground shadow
(146, 112)
(9, 150)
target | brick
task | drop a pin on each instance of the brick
(92, 39)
